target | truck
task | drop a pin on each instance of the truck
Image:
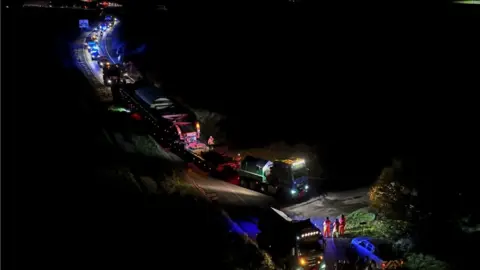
(112, 74)
(103, 61)
(168, 120)
(174, 126)
(282, 178)
(292, 244)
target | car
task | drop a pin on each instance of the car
(379, 251)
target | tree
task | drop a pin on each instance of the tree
(390, 196)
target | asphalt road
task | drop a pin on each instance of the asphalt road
(229, 194)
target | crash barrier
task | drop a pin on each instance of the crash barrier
(103, 40)
(103, 92)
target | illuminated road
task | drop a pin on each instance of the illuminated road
(229, 194)
(243, 205)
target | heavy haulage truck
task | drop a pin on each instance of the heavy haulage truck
(293, 245)
(286, 179)
(173, 125)
(177, 128)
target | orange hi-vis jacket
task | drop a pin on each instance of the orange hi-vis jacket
(326, 225)
(342, 222)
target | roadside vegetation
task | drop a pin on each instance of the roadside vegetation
(429, 234)
(172, 220)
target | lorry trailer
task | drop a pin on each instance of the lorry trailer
(169, 121)
(292, 244)
(285, 178)
(175, 127)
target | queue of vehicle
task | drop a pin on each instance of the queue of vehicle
(293, 244)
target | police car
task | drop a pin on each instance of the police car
(381, 252)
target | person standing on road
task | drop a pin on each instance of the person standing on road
(343, 223)
(326, 227)
(336, 228)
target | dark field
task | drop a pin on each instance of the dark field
(350, 78)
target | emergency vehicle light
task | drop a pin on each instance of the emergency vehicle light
(298, 162)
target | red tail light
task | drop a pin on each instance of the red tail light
(384, 265)
(136, 116)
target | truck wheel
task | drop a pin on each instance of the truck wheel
(242, 183)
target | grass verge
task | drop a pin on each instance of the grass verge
(364, 222)
(237, 250)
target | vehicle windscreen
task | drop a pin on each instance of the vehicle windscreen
(301, 172)
(309, 246)
(113, 72)
(386, 252)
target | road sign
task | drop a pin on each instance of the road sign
(83, 24)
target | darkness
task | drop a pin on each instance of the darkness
(363, 82)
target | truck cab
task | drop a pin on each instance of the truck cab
(103, 61)
(287, 178)
(111, 74)
(292, 244)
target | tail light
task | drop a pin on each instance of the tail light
(384, 265)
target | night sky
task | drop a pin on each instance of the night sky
(361, 82)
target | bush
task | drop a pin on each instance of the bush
(424, 262)
(365, 222)
(390, 197)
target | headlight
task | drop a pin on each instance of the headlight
(302, 261)
(109, 81)
(306, 187)
(293, 191)
(125, 74)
